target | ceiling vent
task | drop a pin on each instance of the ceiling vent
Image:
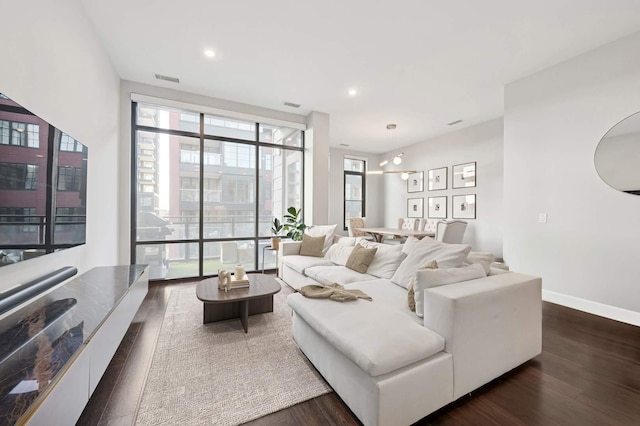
(167, 78)
(453, 123)
(291, 104)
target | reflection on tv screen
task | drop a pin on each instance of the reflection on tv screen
(43, 186)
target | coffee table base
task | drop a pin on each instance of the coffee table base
(237, 309)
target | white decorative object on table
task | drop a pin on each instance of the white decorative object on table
(239, 272)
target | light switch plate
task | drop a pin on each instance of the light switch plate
(542, 217)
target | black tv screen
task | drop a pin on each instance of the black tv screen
(43, 186)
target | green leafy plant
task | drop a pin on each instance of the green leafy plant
(276, 227)
(294, 226)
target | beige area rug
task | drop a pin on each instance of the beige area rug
(215, 374)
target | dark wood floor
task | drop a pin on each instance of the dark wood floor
(588, 374)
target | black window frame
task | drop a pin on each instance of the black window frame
(363, 176)
(202, 135)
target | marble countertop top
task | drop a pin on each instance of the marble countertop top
(37, 340)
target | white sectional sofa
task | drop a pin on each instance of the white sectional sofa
(392, 367)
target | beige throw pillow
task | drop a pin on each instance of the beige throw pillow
(361, 258)
(411, 299)
(312, 246)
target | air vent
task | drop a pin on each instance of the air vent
(453, 123)
(344, 144)
(167, 78)
(291, 104)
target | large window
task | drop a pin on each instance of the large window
(69, 178)
(18, 176)
(354, 189)
(20, 134)
(67, 143)
(205, 200)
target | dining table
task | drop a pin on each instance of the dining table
(379, 233)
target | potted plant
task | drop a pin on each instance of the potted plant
(294, 226)
(276, 228)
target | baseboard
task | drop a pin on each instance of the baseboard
(596, 308)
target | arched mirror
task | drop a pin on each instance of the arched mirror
(617, 156)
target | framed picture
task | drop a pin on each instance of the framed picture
(415, 207)
(464, 175)
(438, 179)
(437, 207)
(464, 206)
(415, 183)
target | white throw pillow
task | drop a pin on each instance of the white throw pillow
(380, 246)
(385, 263)
(408, 245)
(484, 258)
(346, 241)
(427, 278)
(339, 254)
(423, 252)
(327, 230)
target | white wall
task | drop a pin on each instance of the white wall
(588, 250)
(55, 67)
(316, 169)
(481, 143)
(374, 197)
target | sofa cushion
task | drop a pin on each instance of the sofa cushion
(427, 278)
(411, 242)
(312, 246)
(301, 263)
(326, 231)
(380, 246)
(345, 241)
(336, 274)
(377, 340)
(484, 258)
(339, 253)
(386, 295)
(386, 262)
(360, 258)
(411, 296)
(423, 252)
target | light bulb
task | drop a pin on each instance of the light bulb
(383, 163)
(404, 176)
(397, 160)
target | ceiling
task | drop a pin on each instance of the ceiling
(418, 63)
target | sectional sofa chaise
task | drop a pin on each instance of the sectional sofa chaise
(391, 366)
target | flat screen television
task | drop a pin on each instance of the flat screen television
(43, 186)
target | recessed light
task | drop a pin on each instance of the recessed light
(209, 53)
(352, 92)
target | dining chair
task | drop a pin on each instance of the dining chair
(428, 225)
(450, 231)
(408, 223)
(356, 222)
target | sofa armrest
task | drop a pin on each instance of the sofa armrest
(490, 325)
(288, 248)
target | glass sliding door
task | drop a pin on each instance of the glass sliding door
(207, 188)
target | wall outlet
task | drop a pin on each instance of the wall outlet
(542, 217)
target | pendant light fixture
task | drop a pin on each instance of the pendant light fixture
(396, 159)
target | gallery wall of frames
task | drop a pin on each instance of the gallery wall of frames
(461, 204)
